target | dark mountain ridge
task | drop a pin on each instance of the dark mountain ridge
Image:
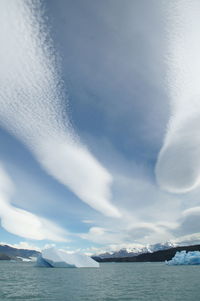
(8, 252)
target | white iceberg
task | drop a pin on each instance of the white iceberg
(52, 257)
(185, 258)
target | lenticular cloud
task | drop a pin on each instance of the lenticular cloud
(178, 165)
(22, 222)
(33, 105)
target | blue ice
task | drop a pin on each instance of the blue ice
(185, 258)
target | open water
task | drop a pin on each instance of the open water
(111, 282)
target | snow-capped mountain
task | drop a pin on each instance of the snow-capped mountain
(130, 252)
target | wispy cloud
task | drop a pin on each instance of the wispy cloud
(127, 234)
(33, 105)
(191, 239)
(23, 223)
(178, 165)
(189, 222)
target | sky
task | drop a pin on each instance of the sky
(99, 120)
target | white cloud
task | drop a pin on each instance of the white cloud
(189, 222)
(101, 236)
(23, 223)
(191, 211)
(127, 234)
(32, 102)
(33, 105)
(87, 221)
(83, 174)
(190, 239)
(178, 165)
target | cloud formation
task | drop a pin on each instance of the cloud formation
(178, 165)
(21, 222)
(33, 105)
(189, 221)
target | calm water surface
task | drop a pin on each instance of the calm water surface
(112, 281)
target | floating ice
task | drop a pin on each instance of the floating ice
(185, 258)
(60, 259)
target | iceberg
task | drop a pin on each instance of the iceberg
(185, 258)
(56, 258)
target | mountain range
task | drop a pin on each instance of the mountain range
(131, 252)
(156, 256)
(8, 253)
(151, 253)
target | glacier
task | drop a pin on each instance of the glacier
(185, 258)
(56, 258)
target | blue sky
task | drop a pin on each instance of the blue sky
(99, 140)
